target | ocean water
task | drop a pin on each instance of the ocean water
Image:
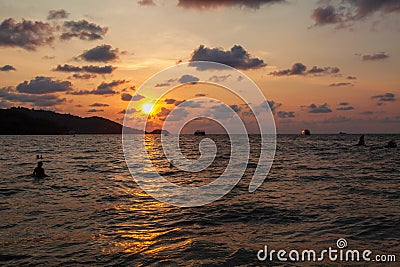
(90, 211)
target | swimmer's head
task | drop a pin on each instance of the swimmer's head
(40, 164)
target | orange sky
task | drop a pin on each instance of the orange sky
(323, 69)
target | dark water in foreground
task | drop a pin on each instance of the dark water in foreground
(89, 210)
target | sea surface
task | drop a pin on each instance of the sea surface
(90, 211)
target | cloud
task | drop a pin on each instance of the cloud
(98, 105)
(326, 15)
(91, 69)
(188, 79)
(200, 95)
(285, 114)
(340, 84)
(296, 69)
(324, 70)
(94, 110)
(101, 53)
(57, 14)
(219, 78)
(85, 76)
(166, 83)
(301, 69)
(8, 94)
(43, 85)
(207, 4)
(324, 108)
(368, 112)
(126, 97)
(388, 97)
(351, 78)
(345, 108)
(129, 111)
(103, 89)
(27, 34)
(178, 114)
(375, 57)
(137, 97)
(146, 3)
(7, 68)
(82, 30)
(273, 105)
(237, 57)
(346, 12)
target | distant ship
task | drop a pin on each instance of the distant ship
(199, 133)
(305, 132)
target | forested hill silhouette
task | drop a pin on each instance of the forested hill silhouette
(29, 121)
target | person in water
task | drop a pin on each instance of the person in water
(39, 171)
(361, 142)
(391, 144)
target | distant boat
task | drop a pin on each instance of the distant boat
(199, 133)
(305, 132)
(342, 133)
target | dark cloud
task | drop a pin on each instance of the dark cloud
(98, 105)
(126, 97)
(326, 15)
(324, 108)
(346, 12)
(166, 83)
(200, 95)
(324, 70)
(237, 57)
(8, 94)
(94, 110)
(344, 103)
(85, 76)
(345, 108)
(137, 97)
(27, 34)
(99, 70)
(7, 68)
(101, 53)
(301, 69)
(178, 114)
(43, 85)
(340, 84)
(219, 78)
(103, 89)
(368, 112)
(351, 78)
(57, 14)
(188, 79)
(91, 69)
(297, 69)
(146, 3)
(207, 4)
(388, 97)
(83, 30)
(285, 114)
(375, 57)
(129, 111)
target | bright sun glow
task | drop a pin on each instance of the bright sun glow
(147, 108)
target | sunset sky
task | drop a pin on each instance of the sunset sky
(329, 66)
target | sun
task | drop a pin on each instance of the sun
(147, 108)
